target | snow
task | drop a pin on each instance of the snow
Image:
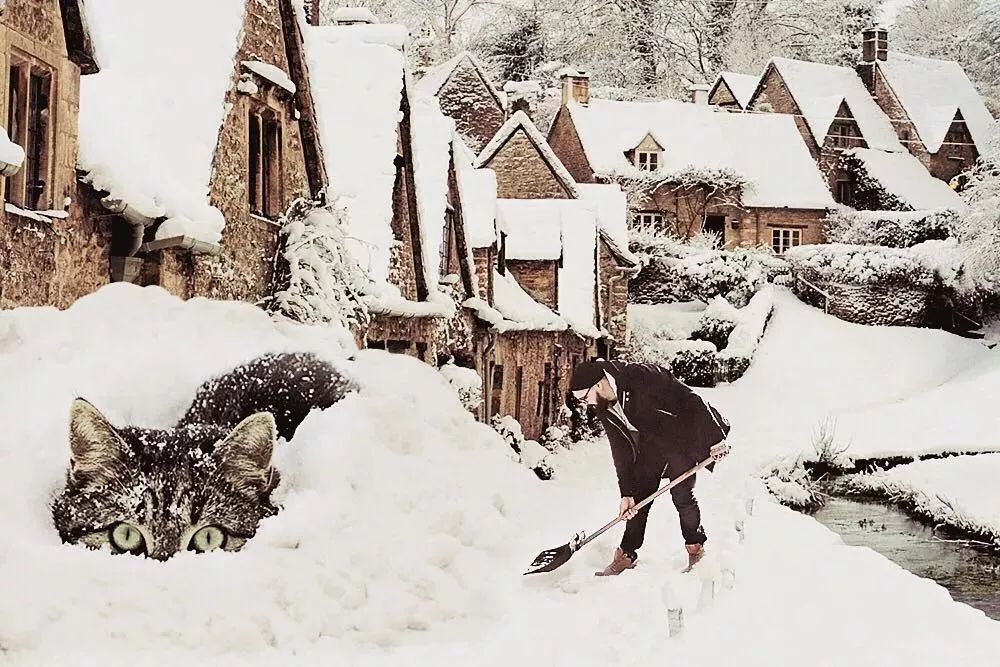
(534, 226)
(354, 14)
(766, 149)
(612, 214)
(478, 190)
(433, 80)
(357, 87)
(271, 73)
(675, 321)
(750, 323)
(858, 264)
(386, 34)
(959, 491)
(742, 86)
(431, 134)
(903, 175)
(516, 305)
(382, 555)
(521, 122)
(148, 125)
(10, 153)
(931, 92)
(819, 89)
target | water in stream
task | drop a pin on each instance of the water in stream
(970, 573)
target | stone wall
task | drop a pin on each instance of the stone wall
(566, 144)
(485, 260)
(250, 243)
(466, 98)
(50, 263)
(540, 279)
(522, 173)
(613, 294)
(873, 304)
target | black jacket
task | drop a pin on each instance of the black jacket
(676, 427)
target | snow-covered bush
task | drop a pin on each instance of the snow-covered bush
(831, 456)
(697, 367)
(527, 452)
(891, 229)
(869, 193)
(716, 323)
(324, 283)
(790, 482)
(979, 230)
(859, 265)
(466, 383)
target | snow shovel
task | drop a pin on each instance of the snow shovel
(550, 559)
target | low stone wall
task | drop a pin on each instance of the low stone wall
(872, 304)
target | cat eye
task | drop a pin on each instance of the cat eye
(126, 538)
(208, 538)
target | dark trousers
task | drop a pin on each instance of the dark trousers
(687, 510)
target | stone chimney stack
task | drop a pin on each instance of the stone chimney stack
(312, 11)
(575, 86)
(874, 47)
(699, 92)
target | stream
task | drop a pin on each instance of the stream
(970, 573)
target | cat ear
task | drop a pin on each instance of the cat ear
(245, 454)
(97, 452)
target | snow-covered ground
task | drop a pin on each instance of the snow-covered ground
(958, 491)
(405, 525)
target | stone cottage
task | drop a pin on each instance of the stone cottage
(692, 168)
(467, 95)
(50, 251)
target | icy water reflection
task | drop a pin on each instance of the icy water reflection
(970, 573)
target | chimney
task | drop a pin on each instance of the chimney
(874, 45)
(312, 11)
(575, 86)
(699, 92)
(354, 16)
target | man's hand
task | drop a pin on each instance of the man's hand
(719, 451)
(626, 510)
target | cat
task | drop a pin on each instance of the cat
(202, 485)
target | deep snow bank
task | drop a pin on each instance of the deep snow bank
(379, 533)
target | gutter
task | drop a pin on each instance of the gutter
(184, 243)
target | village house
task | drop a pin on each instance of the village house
(168, 167)
(732, 91)
(890, 107)
(692, 168)
(50, 251)
(468, 96)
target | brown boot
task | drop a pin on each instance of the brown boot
(695, 553)
(619, 564)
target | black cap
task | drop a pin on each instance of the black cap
(586, 375)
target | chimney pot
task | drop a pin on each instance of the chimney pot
(575, 86)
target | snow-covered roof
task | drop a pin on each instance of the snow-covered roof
(766, 149)
(386, 34)
(819, 89)
(150, 119)
(431, 134)
(612, 215)
(521, 122)
(354, 14)
(520, 309)
(478, 190)
(931, 92)
(552, 229)
(742, 86)
(10, 152)
(436, 77)
(357, 87)
(904, 176)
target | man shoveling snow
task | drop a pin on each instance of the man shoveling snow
(657, 427)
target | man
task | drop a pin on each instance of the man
(657, 428)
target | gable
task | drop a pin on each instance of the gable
(721, 95)
(649, 144)
(522, 172)
(465, 80)
(59, 26)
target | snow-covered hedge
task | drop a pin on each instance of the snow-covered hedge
(859, 265)
(466, 383)
(890, 228)
(527, 452)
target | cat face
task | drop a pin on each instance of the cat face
(160, 492)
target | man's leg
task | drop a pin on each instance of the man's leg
(688, 511)
(635, 529)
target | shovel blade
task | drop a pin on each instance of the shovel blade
(550, 559)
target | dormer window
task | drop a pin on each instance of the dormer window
(844, 134)
(647, 160)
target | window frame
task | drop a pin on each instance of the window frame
(651, 162)
(38, 160)
(783, 238)
(265, 175)
(842, 133)
(842, 185)
(648, 218)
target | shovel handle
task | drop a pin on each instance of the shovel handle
(674, 482)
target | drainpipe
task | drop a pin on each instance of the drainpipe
(491, 338)
(184, 243)
(134, 218)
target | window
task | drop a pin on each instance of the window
(545, 395)
(782, 239)
(843, 134)
(397, 346)
(496, 389)
(647, 160)
(649, 218)
(518, 386)
(264, 187)
(845, 193)
(29, 123)
(716, 224)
